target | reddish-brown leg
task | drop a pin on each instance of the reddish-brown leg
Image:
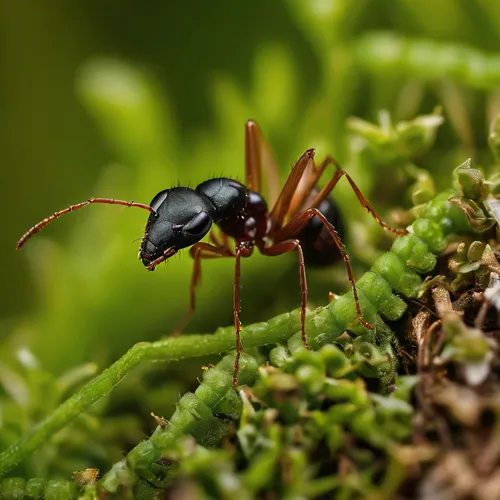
(288, 246)
(219, 239)
(109, 201)
(253, 165)
(297, 224)
(259, 162)
(329, 160)
(308, 182)
(282, 205)
(225, 239)
(304, 189)
(214, 239)
(236, 311)
(199, 251)
(271, 172)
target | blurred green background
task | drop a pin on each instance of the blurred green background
(122, 99)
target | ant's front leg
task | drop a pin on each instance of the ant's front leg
(199, 251)
(243, 249)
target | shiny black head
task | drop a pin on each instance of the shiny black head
(181, 217)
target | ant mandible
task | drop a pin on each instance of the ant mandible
(303, 218)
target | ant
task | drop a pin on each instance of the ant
(303, 218)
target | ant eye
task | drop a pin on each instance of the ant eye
(199, 225)
(159, 199)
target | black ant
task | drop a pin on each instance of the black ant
(303, 218)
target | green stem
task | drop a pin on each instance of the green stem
(173, 349)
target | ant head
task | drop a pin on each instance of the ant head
(181, 217)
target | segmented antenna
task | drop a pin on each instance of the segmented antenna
(38, 227)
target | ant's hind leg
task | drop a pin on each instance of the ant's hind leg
(329, 160)
(282, 206)
(298, 223)
(253, 164)
(260, 164)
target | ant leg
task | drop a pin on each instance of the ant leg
(306, 185)
(282, 205)
(214, 239)
(253, 165)
(329, 160)
(225, 239)
(236, 310)
(288, 246)
(219, 240)
(259, 160)
(297, 224)
(199, 251)
(109, 201)
(303, 191)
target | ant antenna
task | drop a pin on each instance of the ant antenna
(38, 227)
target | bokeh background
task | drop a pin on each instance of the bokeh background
(122, 99)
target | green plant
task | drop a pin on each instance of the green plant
(370, 353)
(334, 403)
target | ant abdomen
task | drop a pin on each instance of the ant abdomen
(318, 247)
